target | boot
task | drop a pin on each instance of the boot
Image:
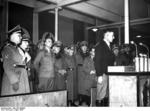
(106, 101)
(76, 103)
(88, 100)
(80, 99)
(69, 103)
(98, 103)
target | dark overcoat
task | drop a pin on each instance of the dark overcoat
(104, 57)
(90, 79)
(60, 80)
(70, 66)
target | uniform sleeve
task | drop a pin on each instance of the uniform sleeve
(65, 64)
(37, 61)
(8, 65)
(86, 66)
(78, 59)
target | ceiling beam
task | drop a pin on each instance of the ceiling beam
(59, 4)
(82, 8)
(95, 12)
(75, 16)
(121, 24)
(64, 12)
(29, 3)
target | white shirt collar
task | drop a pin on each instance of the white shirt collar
(108, 43)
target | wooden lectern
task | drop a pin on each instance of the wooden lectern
(128, 88)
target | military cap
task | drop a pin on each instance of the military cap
(58, 44)
(25, 37)
(83, 43)
(115, 47)
(72, 46)
(17, 29)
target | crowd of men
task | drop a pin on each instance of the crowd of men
(51, 66)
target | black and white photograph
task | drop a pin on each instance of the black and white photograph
(74, 53)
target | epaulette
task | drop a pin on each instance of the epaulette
(5, 45)
(10, 45)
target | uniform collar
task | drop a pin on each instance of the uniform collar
(13, 44)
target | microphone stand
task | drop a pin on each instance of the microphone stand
(146, 48)
(137, 66)
(148, 81)
(136, 50)
(147, 54)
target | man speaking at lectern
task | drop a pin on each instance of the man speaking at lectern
(104, 57)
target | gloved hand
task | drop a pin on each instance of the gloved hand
(100, 79)
(62, 71)
(92, 72)
(15, 86)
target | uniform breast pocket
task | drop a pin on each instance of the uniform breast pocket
(18, 71)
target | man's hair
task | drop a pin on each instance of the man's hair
(107, 30)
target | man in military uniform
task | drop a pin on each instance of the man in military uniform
(12, 81)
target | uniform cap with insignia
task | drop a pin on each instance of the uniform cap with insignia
(58, 44)
(114, 47)
(83, 43)
(25, 37)
(17, 29)
(71, 47)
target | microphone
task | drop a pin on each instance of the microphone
(136, 49)
(145, 47)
